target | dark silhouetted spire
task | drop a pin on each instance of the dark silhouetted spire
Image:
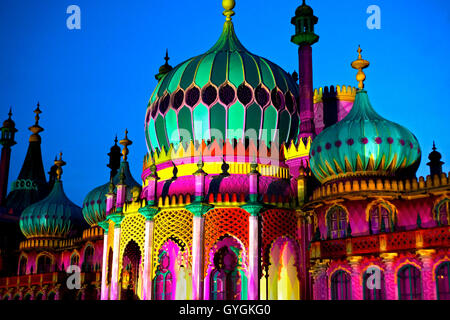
(8, 131)
(114, 158)
(31, 184)
(435, 163)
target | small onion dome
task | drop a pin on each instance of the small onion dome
(364, 143)
(304, 10)
(226, 89)
(165, 68)
(435, 156)
(55, 216)
(94, 205)
(9, 123)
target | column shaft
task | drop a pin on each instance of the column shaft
(104, 289)
(148, 261)
(253, 254)
(197, 258)
(114, 295)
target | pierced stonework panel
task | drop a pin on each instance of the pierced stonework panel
(175, 225)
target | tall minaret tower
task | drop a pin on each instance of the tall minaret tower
(8, 132)
(305, 37)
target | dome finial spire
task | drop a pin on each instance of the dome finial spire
(59, 163)
(228, 5)
(360, 64)
(125, 142)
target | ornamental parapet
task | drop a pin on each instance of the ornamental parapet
(45, 279)
(386, 242)
(407, 188)
(37, 243)
(238, 155)
(344, 93)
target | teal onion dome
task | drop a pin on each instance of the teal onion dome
(222, 94)
(364, 143)
(55, 216)
(94, 205)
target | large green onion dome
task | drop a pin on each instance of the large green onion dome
(227, 89)
(364, 143)
(55, 216)
(94, 205)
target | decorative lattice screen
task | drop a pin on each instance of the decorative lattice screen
(175, 225)
(276, 223)
(225, 221)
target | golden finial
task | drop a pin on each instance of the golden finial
(37, 111)
(228, 5)
(125, 142)
(59, 163)
(36, 128)
(360, 64)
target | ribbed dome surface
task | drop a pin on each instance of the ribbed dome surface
(364, 143)
(54, 216)
(227, 89)
(94, 205)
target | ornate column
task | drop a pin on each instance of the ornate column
(104, 288)
(114, 290)
(198, 208)
(389, 275)
(319, 277)
(253, 208)
(149, 213)
(428, 283)
(356, 277)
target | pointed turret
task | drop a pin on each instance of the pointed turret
(31, 184)
(95, 206)
(165, 68)
(8, 132)
(114, 158)
(304, 21)
(435, 163)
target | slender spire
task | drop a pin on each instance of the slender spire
(125, 142)
(36, 128)
(228, 5)
(165, 68)
(59, 163)
(360, 64)
(114, 155)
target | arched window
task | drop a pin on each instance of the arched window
(163, 280)
(88, 259)
(341, 286)
(44, 264)
(442, 213)
(374, 284)
(51, 296)
(337, 222)
(225, 278)
(17, 297)
(27, 297)
(23, 266)
(380, 216)
(74, 259)
(443, 281)
(409, 283)
(6, 297)
(39, 296)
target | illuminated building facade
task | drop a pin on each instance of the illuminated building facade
(256, 186)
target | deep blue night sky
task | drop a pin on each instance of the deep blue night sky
(95, 82)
